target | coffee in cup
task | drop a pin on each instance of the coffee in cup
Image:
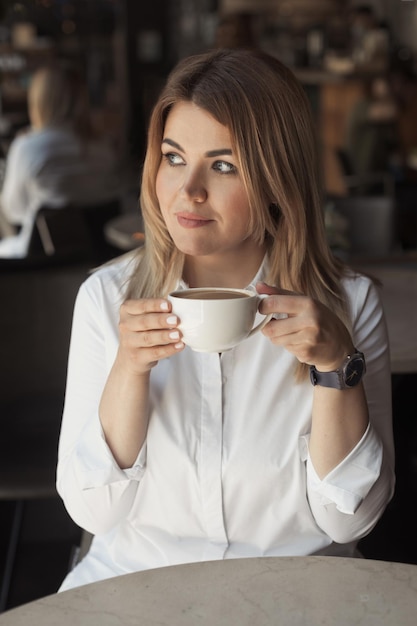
(216, 319)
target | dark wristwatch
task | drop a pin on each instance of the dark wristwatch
(348, 375)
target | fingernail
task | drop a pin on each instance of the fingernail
(174, 335)
(179, 345)
(164, 306)
(172, 320)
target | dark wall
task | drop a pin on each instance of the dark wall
(148, 62)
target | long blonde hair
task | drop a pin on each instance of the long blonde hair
(58, 97)
(273, 134)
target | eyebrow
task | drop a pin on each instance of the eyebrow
(210, 153)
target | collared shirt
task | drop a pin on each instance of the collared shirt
(225, 471)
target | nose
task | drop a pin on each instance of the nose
(194, 187)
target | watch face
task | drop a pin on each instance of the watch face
(354, 371)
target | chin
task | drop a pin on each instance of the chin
(197, 252)
(197, 248)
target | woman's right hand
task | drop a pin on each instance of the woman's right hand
(147, 333)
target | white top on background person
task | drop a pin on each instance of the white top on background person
(58, 161)
(170, 456)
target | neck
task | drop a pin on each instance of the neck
(224, 272)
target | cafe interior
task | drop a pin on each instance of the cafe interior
(361, 79)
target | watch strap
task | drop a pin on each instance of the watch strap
(326, 379)
(348, 375)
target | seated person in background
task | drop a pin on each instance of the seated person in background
(371, 133)
(403, 84)
(59, 161)
(370, 39)
(382, 128)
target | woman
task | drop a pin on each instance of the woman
(59, 161)
(170, 456)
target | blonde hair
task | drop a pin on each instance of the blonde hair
(58, 97)
(269, 117)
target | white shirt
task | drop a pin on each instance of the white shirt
(51, 167)
(225, 471)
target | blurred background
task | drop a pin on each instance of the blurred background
(357, 62)
(126, 49)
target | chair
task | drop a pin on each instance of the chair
(82, 549)
(36, 314)
(75, 232)
(371, 183)
(69, 234)
(96, 217)
(59, 235)
(372, 223)
(406, 195)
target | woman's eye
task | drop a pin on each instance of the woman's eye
(173, 159)
(223, 167)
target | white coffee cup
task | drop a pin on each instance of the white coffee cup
(215, 319)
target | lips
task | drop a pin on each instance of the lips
(192, 220)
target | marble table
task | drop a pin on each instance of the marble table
(269, 591)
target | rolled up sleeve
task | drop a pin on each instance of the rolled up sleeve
(349, 483)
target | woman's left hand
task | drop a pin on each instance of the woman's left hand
(311, 332)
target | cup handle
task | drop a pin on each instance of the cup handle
(265, 321)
